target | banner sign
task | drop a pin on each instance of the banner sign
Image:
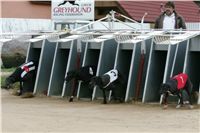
(72, 9)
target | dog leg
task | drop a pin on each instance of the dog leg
(113, 96)
(190, 99)
(164, 100)
(180, 102)
(104, 96)
(71, 99)
(91, 92)
(73, 90)
(21, 88)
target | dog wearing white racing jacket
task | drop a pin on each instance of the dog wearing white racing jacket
(112, 80)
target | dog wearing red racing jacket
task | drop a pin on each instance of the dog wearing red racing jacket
(25, 75)
(175, 86)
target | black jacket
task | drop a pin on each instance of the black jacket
(179, 21)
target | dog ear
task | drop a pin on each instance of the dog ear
(164, 88)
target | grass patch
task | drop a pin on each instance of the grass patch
(3, 77)
(15, 85)
(8, 69)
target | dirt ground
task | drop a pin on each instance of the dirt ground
(45, 114)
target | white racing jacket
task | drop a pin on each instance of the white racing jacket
(27, 67)
(113, 76)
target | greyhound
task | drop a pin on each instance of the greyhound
(25, 75)
(175, 86)
(112, 80)
(82, 74)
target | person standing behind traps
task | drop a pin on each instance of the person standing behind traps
(170, 19)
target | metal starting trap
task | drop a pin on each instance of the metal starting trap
(145, 57)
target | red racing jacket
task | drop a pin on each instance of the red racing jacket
(181, 80)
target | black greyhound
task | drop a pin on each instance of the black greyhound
(112, 80)
(175, 86)
(25, 75)
(82, 74)
(70, 1)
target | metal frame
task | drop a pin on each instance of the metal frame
(96, 52)
(177, 47)
(173, 50)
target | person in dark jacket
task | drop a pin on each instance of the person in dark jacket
(175, 86)
(170, 19)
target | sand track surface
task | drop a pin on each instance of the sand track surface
(50, 114)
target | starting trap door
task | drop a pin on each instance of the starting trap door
(167, 58)
(128, 62)
(91, 57)
(192, 66)
(44, 67)
(65, 54)
(75, 52)
(41, 50)
(100, 52)
(34, 53)
(131, 60)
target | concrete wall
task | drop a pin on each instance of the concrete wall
(24, 25)
(25, 9)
